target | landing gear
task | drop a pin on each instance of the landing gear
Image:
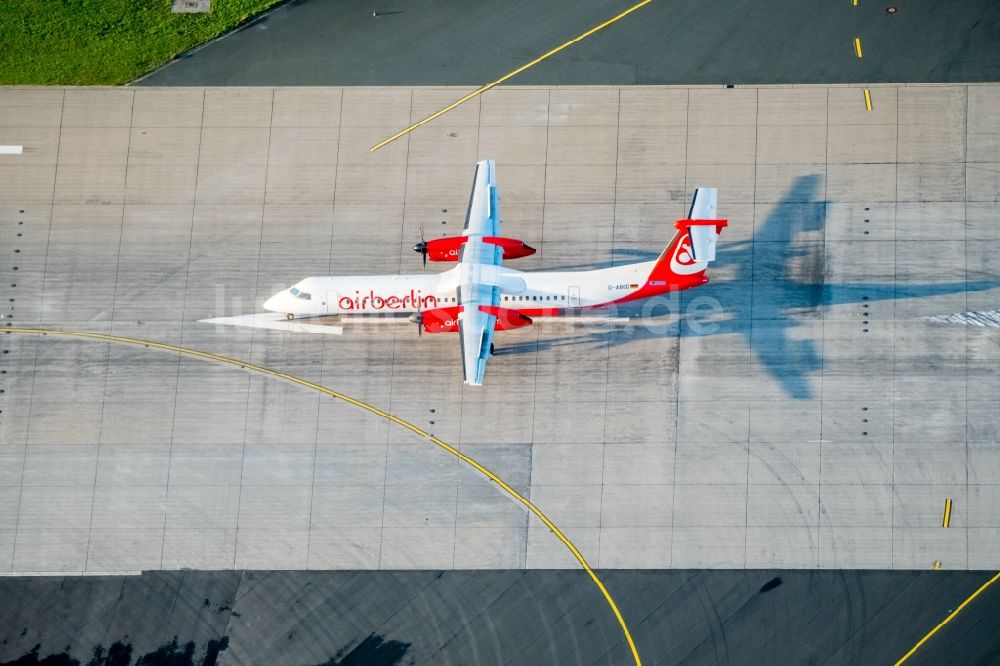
(493, 349)
(289, 316)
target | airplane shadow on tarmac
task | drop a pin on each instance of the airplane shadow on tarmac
(762, 289)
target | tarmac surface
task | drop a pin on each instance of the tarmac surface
(496, 617)
(797, 412)
(450, 42)
(813, 407)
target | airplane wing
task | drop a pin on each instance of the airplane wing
(478, 220)
(476, 325)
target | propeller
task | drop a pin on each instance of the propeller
(421, 247)
(418, 319)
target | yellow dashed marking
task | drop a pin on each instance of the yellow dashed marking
(946, 521)
(480, 91)
(857, 46)
(868, 99)
(243, 365)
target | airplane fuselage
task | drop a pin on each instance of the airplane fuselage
(543, 292)
(481, 295)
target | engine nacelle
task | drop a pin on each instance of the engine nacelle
(440, 320)
(512, 247)
(445, 320)
(506, 317)
(444, 249)
(448, 249)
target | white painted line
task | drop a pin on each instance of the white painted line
(582, 320)
(374, 319)
(22, 574)
(275, 321)
(986, 318)
(11, 150)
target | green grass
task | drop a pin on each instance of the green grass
(103, 42)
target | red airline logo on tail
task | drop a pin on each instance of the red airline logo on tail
(683, 262)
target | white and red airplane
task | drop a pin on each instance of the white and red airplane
(480, 295)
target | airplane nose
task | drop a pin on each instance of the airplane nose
(272, 303)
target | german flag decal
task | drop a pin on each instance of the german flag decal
(633, 286)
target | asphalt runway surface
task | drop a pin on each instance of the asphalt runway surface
(494, 617)
(451, 42)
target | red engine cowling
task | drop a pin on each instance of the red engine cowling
(445, 320)
(506, 317)
(441, 320)
(512, 247)
(447, 249)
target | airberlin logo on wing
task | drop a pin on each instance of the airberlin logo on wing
(683, 262)
(372, 301)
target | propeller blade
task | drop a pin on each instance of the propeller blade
(423, 244)
(418, 319)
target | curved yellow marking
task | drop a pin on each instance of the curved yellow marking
(218, 358)
(480, 91)
(949, 618)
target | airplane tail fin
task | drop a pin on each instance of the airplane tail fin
(683, 263)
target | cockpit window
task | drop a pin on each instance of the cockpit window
(295, 292)
(304, 296)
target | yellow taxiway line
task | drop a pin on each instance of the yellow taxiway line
(857, 46)
(243, 365)
(481, 90)
(949, 618)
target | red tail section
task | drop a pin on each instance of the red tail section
(682, 265)
(678, 267)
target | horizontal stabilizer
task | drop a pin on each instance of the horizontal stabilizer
(703, 236)
(702, 225)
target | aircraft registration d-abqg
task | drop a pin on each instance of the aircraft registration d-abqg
(480, 295)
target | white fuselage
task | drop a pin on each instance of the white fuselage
(527, 292)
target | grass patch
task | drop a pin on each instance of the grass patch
(104, 42)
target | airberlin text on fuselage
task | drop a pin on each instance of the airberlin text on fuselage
(372, 301)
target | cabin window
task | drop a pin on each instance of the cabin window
(304, 296)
